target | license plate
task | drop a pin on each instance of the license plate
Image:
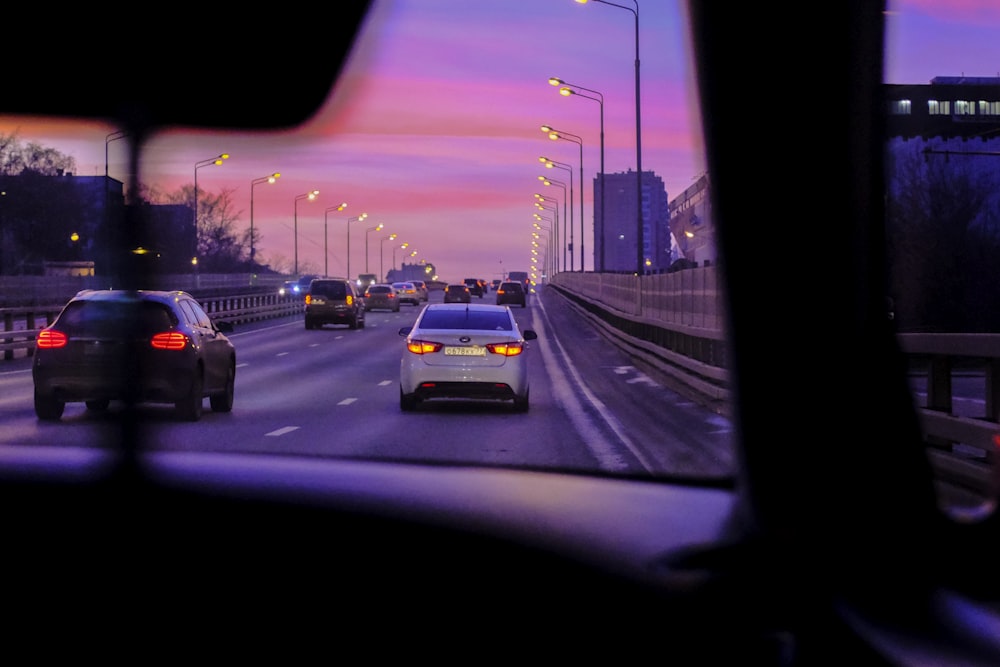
(465, 351)
(318, 301)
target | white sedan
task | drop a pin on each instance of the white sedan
(457, 350)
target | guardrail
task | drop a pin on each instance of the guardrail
(673, 324)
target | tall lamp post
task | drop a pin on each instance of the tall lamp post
(381, 245)
(310, 196)
(555, 135)
(549, 164)
(217, 160)
(566, 90)
(555, 247)
(114, 136)
(326, 252)
(404, 246)
(376, 228)
(539, 203)
(640, 263)
(254, 183)
(349, 221)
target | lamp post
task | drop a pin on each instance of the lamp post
(555, 135)
(541, 199)
(638, 132)
(376, 228)
(217, 160)
(114, 136)
(566, 90)
(549, 164)
(559, 184)
(254, 183)
(381, 245)
(550, 249)
(404, 246)
(326, 252)
(310, 196)
(349, 221)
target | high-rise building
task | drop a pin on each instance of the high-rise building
(616, 223)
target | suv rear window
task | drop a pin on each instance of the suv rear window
(331, 289)
(106, 317)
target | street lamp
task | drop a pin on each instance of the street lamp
(555, 135)
(558, 184)
(217, 160)
(381, 245)
(376, 228)
(566, 90)
(555, 204)
(255, 182)
(638, 131)
(310, 196)
(549, 164)
(401, 247)
(349, 221)
(114, 136)
(326, 253)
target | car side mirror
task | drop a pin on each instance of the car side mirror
(224, 326)
(529, 334)
(405, 331)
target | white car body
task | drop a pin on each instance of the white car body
(457, 350)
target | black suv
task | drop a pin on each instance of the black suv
(475, 287)
(334, 301)
(143, 346)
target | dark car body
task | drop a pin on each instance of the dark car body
(511, 293)
(381, 297)
(457, 293)
(475, 286)
(144, 346)
(333, 301)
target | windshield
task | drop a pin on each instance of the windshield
(447, 149)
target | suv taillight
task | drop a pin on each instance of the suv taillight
(50, 339)
(169, 340)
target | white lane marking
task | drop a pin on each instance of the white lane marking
(281, 354)
(243, 365)
(347, 401)
(283, 430)
(383, 383)
(607, 455)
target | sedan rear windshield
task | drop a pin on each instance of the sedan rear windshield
(466, 319)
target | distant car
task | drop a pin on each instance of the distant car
(457, 293)
(381, 297)
(407, 293)
(466, 351)
(475, 286)
(421, 288)
(334, 301)
(292, 288)
(511, 293)
(495, 284)
(146, 346)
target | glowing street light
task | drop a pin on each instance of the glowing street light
(549, 164)
(255, 182)
(310, 196)
(570, 89)
(217, 160)
(555, 250)
(349, 221)
(640, 266)
(381, 245)
(376, 228)
(555, 135)
(326, 253)
(404, 246)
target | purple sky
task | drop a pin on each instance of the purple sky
(433, 130)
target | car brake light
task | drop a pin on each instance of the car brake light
(506, 349)
(423, 346)
(169, 340)
(49, 339)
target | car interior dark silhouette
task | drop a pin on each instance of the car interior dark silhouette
(829, 548)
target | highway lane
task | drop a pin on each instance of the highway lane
(334, 392)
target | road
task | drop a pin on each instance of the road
(334, 393)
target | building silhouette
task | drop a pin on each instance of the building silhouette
(616, 219)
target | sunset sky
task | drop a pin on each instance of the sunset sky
(434, 129)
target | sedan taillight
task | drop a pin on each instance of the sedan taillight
(423, 346)
(169, 340)
(50, 339)
(506, 349)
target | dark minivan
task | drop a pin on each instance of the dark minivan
(334, 301)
